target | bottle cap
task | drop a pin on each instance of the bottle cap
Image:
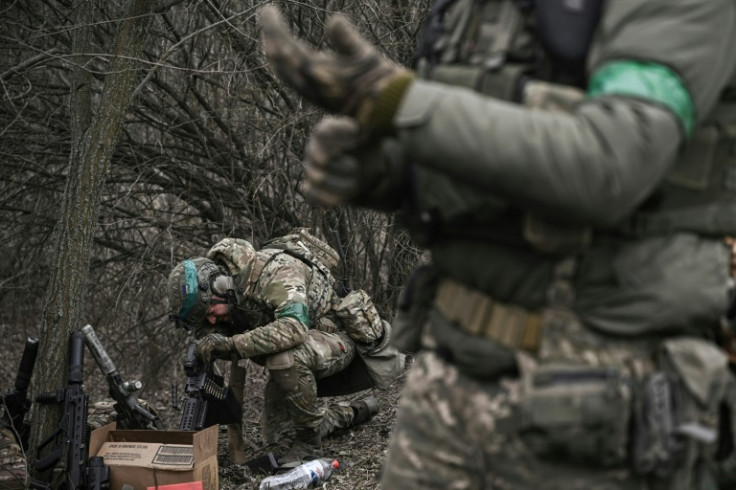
(335, 464)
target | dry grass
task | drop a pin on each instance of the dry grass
(359, 450)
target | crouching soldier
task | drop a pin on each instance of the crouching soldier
(277, 307)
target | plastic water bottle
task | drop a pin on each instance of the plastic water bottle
(305, 475)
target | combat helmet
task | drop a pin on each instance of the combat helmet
(192, 285)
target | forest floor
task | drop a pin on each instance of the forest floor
(359, 450)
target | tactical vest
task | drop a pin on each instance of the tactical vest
(313, 252)
(308, 248)
(512, 50)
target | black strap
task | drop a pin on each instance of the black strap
(432, 32)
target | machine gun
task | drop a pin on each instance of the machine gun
(208, 401)
(131, 414)
(70, 438)
(15, 401)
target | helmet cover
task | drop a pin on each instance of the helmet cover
(190, 290)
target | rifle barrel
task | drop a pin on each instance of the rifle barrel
(27, 362)
(98, 351)
(76, 358)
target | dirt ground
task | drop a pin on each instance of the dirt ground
(359, 450)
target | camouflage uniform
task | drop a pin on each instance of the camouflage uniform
(102, 413)
(573, 289)
(287, 314)
(570, 167)
(13, 471)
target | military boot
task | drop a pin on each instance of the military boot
(307, 446)
(364, 410)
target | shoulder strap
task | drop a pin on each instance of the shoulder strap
(263, 257)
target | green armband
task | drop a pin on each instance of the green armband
(298, 311)
(648, 81)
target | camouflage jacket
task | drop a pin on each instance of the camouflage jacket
(280, 297)
(490, 173)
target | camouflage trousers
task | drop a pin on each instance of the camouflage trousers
(446, 437)
(13, 471)
(450, 434)
(290, 397)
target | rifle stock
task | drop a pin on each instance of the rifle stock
(16, 401)
(70, 438)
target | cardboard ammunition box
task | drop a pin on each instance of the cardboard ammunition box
(147, 459)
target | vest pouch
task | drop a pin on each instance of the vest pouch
(693, 381)
(699, 192)
(656, 448)
(360, 318)
(371, 334)
(576, 413)
(502, 82)
(382, 361)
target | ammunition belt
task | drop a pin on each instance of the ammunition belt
(478, 314)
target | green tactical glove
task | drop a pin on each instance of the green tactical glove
(217, 346)
(337, 169)
(356, 80)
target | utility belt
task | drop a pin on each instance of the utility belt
(480, 315)
(587, 397)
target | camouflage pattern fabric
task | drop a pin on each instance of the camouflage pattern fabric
(13, 471)
(478, 424)
(450, 434)
(290, 398)
(360, 317)
(287, 287)
(102, 413)
(298, 280)
(460, 432)
(314, 339)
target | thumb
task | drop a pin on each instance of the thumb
(346, 40)
(285, 52)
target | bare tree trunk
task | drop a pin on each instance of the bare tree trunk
(211, 147)
(94, 138)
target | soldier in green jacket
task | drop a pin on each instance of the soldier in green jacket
(279, 309)
(571, 166)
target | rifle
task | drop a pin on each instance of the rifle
(15, 401)
(131, 415)
(208, 401)
(70, 438)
